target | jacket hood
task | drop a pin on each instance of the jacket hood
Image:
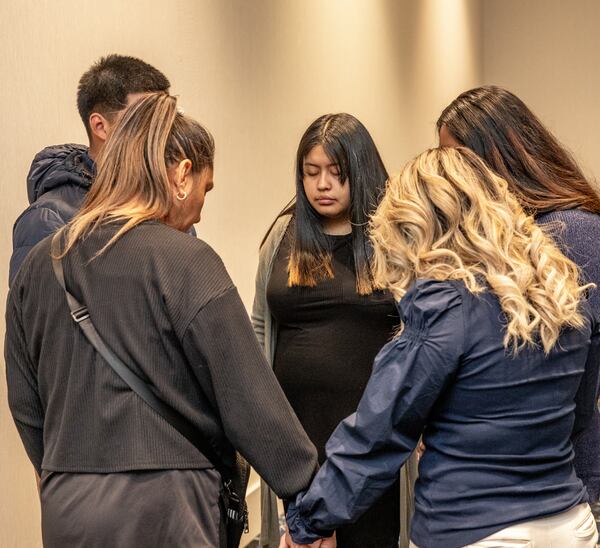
(57, 166)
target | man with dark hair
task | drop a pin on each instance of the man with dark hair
(108, 88)
(60, 176)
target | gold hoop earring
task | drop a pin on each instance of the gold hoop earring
(181, 196)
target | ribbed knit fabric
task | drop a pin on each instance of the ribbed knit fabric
(577, 232)
(165, 304)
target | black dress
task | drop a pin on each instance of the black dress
(327, 338)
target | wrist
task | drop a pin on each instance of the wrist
(300, 529)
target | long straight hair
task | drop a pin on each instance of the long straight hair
(448, 216)
(131, 183)
(498, 127)
(348, 144)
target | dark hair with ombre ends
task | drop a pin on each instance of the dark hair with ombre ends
(348, 144)
(500, 128)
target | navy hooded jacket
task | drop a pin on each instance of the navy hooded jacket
(58, 181)
(497, 427)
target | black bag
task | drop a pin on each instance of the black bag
(235, 480)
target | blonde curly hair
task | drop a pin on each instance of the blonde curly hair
(447, 216)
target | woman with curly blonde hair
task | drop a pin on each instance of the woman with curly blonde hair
(496, 365)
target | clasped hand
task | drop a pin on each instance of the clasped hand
(287, 542)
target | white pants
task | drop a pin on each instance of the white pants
(575, 528)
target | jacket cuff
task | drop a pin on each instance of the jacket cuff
(300, 531)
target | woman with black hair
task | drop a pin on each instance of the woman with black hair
(316, 311)
(549, 185)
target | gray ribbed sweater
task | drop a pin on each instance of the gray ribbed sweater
(165, 304)
(577, 232)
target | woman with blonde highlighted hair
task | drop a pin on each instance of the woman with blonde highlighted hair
(120, 465)
(496, 365)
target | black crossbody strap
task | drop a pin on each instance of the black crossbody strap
(81, 316)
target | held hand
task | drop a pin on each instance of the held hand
(330, 542)
(321, 543)
(285, 541)
(420, 449)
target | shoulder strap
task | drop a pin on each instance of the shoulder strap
(81, 316)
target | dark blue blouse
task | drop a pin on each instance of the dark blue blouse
(497, 427)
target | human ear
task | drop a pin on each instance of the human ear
(99, 126)
(183, 169)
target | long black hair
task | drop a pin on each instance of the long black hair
(348, 144)
(496, 125)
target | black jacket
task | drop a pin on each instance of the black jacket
(164, 303)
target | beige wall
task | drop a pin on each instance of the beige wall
(546, 51)
(256, 73)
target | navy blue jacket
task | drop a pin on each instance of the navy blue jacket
(497, 428)
(58, 182)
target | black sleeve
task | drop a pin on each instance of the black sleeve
(23, 396)
(586, 398)
(256, 417)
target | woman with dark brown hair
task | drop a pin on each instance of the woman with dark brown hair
(545, 178)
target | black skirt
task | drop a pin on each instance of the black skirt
(149, 509)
